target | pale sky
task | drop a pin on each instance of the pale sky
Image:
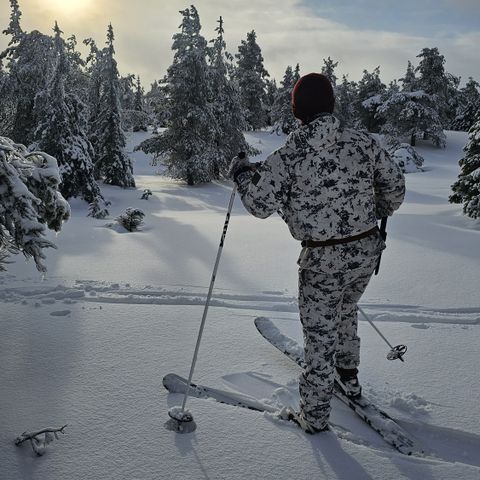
(357, 33)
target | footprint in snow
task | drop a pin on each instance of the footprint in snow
(421, 326)
(60, 313)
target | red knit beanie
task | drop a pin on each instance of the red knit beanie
(312, 94)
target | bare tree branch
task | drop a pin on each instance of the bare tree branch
(39, 444)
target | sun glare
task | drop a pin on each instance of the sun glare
(70, 6)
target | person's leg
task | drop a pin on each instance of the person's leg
(348, 345)
(319, 302)
(364, 255)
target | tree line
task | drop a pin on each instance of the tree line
(77, 109)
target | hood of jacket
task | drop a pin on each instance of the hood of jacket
(318, 134)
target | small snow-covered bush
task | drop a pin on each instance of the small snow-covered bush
(30, 202)
(131, 218)
(406, 157)
(146, 193)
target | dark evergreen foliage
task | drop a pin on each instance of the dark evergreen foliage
(111, 162)
(251, 76)
(467, 188)
(62, 133)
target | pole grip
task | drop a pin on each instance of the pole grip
(383, 234)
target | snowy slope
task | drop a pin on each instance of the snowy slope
(89, 345)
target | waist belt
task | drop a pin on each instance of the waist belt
(338, 241)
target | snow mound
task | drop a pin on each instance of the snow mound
(407, 158)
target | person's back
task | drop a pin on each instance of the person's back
(332, 179)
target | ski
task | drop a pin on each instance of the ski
(373, 416)
(176, 384)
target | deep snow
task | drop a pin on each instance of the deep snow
(89, 344)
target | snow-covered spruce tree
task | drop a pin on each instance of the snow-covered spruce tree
(29, 202)
(127, 91)
(435, 81)
(407, 116)
(62, 131)
(468, 111)
(155, 104)
(188, 145)
(111, 162)
(139, 115)
(94, 72)
(226, 106)
(7, 103)
(14, 28)
(409, 81)
(28, 61)
(270, 94)
(328, 69)
(467, 188)
(282, 113)
(77, 81)
(345, 101)
(369, 97)
(127, 100)
(251, 75)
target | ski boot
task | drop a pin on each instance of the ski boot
(347, 380)
(288, 413)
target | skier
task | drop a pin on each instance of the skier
(330, 184)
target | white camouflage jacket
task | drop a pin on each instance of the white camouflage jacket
(327, 182)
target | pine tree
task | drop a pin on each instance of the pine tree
(407, 115)
(467, 188)
(271, 91)
(155, 101)
(94, 71)
(283, 117)
(139, 117)
(111, 162)
(29, 60)
(433, 80)
(30, 202)
(409, 81)
(468, 111)
(251, 76)
(14, 28)
(139, 94)
(7, 103)
(62, 133)
(345, 101)
(369, 97)
(328, 69)
(188, 145)
(77, 81)
(226, 106)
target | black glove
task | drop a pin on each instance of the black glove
(239, 165)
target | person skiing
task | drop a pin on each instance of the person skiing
(330, 184)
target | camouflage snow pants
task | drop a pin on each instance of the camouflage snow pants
(331, 281)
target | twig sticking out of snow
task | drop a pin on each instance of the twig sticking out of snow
(38, 443)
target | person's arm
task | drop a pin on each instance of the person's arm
(389, 183)
(264, 190)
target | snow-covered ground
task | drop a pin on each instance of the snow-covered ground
(89, 344)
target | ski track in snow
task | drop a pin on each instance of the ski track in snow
(269, 301)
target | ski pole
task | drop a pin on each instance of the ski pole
(395, 352)
(180, 415)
